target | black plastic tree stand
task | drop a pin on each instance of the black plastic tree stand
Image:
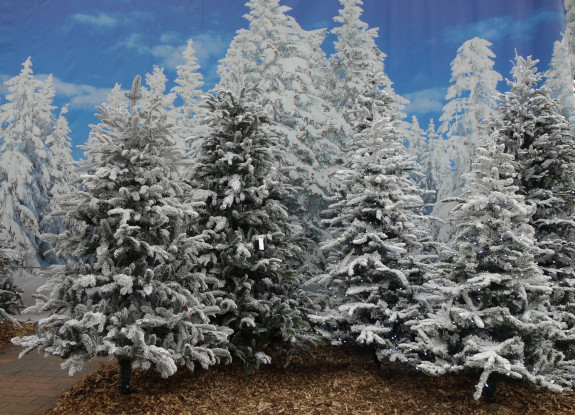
(125, 376)
(489, 389)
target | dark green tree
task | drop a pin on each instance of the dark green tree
(239, 173)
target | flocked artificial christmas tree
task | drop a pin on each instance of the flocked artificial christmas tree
(376, 259)
(492, 317)
(136, 291)
(532, 128)
(239, 173)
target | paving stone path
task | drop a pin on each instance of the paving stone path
(32, 385)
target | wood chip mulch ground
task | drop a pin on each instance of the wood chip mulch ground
(337, 381)
(8, 330)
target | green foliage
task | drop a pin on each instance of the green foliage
(257, 247)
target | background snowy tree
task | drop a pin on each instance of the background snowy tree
(288, 66)
(376, 258)
(188, 88)
(136, 292)
(239, 172)
(494, 318)
(32, 146)
(428, 162)
(63, 174)
(418, 144)
(471, 103)
(358, 64)
(560, 79)
(538, 136)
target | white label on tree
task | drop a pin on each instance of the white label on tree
(261, 241)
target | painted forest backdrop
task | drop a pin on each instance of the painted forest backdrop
(297, 193)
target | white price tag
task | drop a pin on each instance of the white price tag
(261, 242)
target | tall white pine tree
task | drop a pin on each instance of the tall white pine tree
(493, 318)
(471, 103)
(239, 173)
(188, 88)
(63, 172)
(288, 66)
(533, 130)
(27, 169)
(136, 291)
(560, 79)
(356, 62)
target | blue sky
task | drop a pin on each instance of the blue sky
(89, 45)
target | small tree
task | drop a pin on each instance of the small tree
(257, 246)
(493, 318)
(376, 258)
(136, 292)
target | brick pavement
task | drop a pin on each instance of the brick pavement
(32, 385)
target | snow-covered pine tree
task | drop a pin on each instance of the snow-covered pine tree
(26, 162)
(419, 147)
(154, 94)
(239, 172)
(116, 102)
(533, 130)
(188, 88)
(493, 319)
(136, 291)
(471, 103)
(427, 168)
(560, 79)
(376, 258)
(355, 61)
(63, 173)
(288, 66)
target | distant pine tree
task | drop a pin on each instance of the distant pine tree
(34, 158)
(464, 122)
(291, 71)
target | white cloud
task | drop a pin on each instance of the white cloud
(78, 95)
(501, 27)
(170, 37)
(100, 19)
(425, 101)
(206, 46)
(81, 96)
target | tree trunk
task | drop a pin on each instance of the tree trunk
(125, 376)
(489, 389)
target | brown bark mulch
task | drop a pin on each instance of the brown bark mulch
(8, 330)
(338, 381)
